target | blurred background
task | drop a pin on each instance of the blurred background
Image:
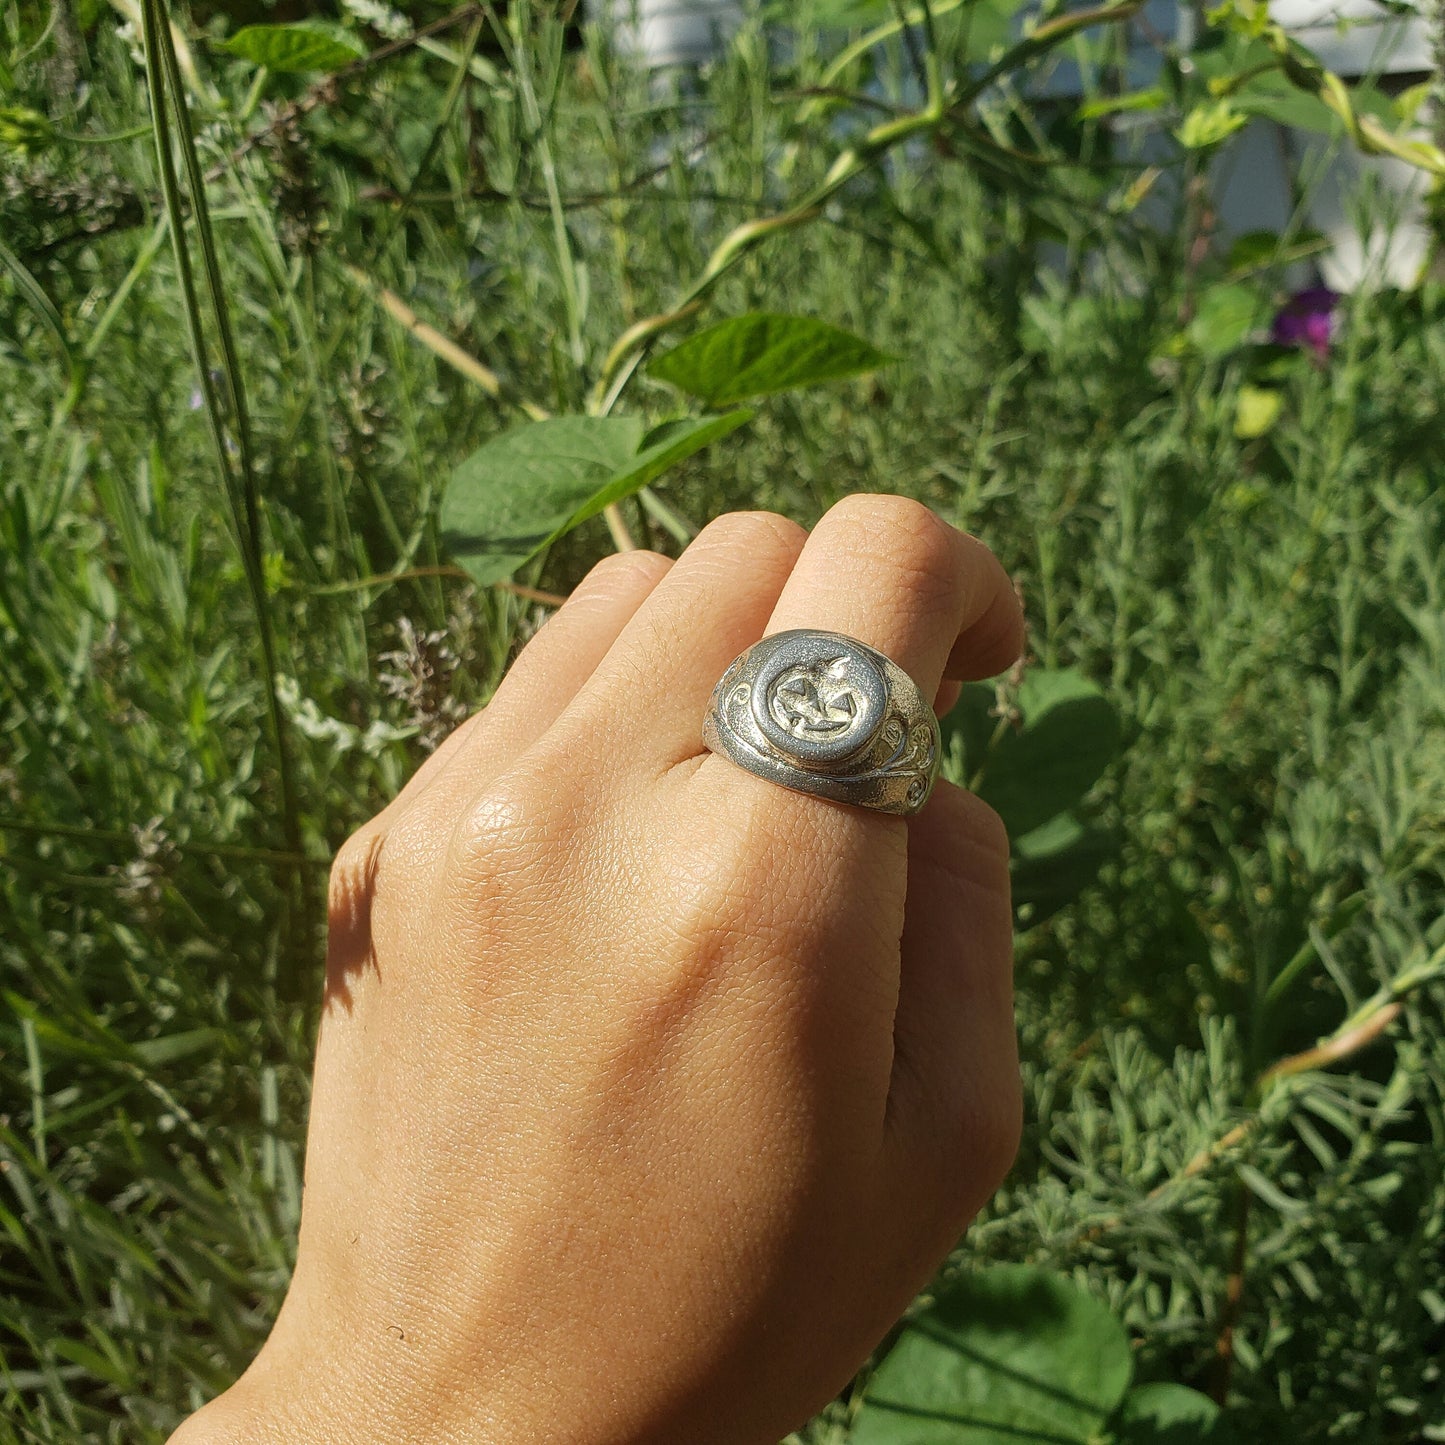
(1148, 296)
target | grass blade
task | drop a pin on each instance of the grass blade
(163, 74)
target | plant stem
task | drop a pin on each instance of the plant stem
(628, 351)
(1435, 20)
(622, 538)
(1233, 1297)
(439, 345)
(242, 493)
(676, 526)
(1307, 953)
(389, 579)
(1358, 1031)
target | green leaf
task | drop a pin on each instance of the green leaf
(1167, 1414)
(1266, 1189)
(1253, 251)
(91, 1360)
(1246, 71)
(531, 485)
(1033, 771)
(1273, 96)
(1155, 98)
(44, 307)
(1256, 410)
(1259, 250)
(168, 1049)
(510, 496)
(663, 447)
(1028, 772)
(1226, 316)
(1407, 105)
(24, 130)
(1009, 1356)
(306, 45)
(987, 26)
(762, 353)
(1208, 124)
(1052, 865)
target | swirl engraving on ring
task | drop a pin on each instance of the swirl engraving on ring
(823, 713)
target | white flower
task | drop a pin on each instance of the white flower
(382, 18)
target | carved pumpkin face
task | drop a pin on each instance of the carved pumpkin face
(817, 700)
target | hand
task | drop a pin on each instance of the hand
(648, 1093)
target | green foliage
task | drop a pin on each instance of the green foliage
(1226, 316)
(1014, 1354)
(761, 354)
(1032, 752)
(1257, 411)
(1011, 1354)
(1037, 754)
(530, 486)
(305, 45)
(24, 129)
(1166, 1414)
(1208, 124)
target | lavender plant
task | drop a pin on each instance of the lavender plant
(1221, 762)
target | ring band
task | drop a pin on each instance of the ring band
(825, 714)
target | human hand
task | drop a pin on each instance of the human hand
(648, 1093)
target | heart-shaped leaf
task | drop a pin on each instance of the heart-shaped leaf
(1034, 772)
(1166, 1414)
(663, 447)
(762, 353)
(1226, 316)
(509, 497)
(1066, 734)
(306, 45)
(530, 485)
(1009, 1356)
(1055, 862)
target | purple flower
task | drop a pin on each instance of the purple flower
(1307, 319)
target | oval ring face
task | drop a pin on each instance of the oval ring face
(818, 699)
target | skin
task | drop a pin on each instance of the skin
(648, 1093)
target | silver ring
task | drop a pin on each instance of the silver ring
(826, 714)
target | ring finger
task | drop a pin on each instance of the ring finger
(882, 569)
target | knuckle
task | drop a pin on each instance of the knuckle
(752, 531)
(378, 866)
(412, 844)
(623, 574)
(354, 868)
(499, 820)
(998, 1129)
(922, 550)
(901, 517)
(960, 1179)
(722, 886)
